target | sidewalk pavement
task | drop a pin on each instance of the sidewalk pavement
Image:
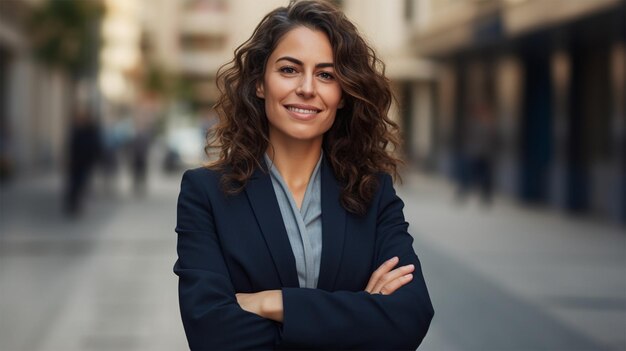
(103, 281)
(510, 277)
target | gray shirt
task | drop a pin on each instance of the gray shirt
(304, 225)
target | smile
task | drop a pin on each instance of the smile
(302, 110)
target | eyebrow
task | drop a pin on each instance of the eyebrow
(298, 62)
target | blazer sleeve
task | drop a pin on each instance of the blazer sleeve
(315, 318)
(210, 313)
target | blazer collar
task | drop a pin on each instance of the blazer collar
(263, 200)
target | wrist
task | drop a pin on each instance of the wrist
(272, 305)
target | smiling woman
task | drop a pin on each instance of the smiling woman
(294, 237)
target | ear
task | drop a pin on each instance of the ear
(260, 90)
(342, 103)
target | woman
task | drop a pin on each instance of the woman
(294, 237)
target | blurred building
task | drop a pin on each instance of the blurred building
(120, 53)
(193, 38)
(34, 99)
(552, 75)
(47, 65)
(388, 25)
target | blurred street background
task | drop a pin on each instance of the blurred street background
(512, 113)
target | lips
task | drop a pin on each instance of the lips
(302, 112)
(301, 108)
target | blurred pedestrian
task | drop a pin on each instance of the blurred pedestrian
(140, 146)
(295, 238)
(6, 164)
(477, 154)
(140, 151)
(112, 142)
(83, 152)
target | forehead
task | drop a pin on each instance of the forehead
(304, 44)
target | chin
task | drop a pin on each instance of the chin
(305, 137)
(298, 132)
(302, 135)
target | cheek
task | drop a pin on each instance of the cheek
(271, 115)
(277, 89)
(274, 93)
(333, 96)
(328, 123)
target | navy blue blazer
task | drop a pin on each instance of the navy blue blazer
(238, 243)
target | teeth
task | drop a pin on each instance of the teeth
(301, 110)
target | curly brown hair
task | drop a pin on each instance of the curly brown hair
(360, 143)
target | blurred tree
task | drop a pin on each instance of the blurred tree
(156, 81)
(165, 88)
(65, 35)
(165, 85)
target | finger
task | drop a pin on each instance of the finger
(241, 298)
(394, 274)
(382, 270)
(388, 277)
(396, 284)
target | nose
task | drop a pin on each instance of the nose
(306, 88)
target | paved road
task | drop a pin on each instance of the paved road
(507, 278)
(515, 278)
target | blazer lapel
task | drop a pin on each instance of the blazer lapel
(333, 228)
(263, 200)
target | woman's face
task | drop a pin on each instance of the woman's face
(299, 87)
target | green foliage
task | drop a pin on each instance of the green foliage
(166, 84)
(65, 34)
(156, 80)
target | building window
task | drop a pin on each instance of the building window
(409, 8)
(206, 5)
(196, 42)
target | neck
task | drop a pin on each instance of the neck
(295, 161)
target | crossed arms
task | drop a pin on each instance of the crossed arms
(216, 316)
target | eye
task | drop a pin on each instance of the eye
(287, 70)
(326, 76)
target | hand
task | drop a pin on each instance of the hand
(386, 281)
(267, 304)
